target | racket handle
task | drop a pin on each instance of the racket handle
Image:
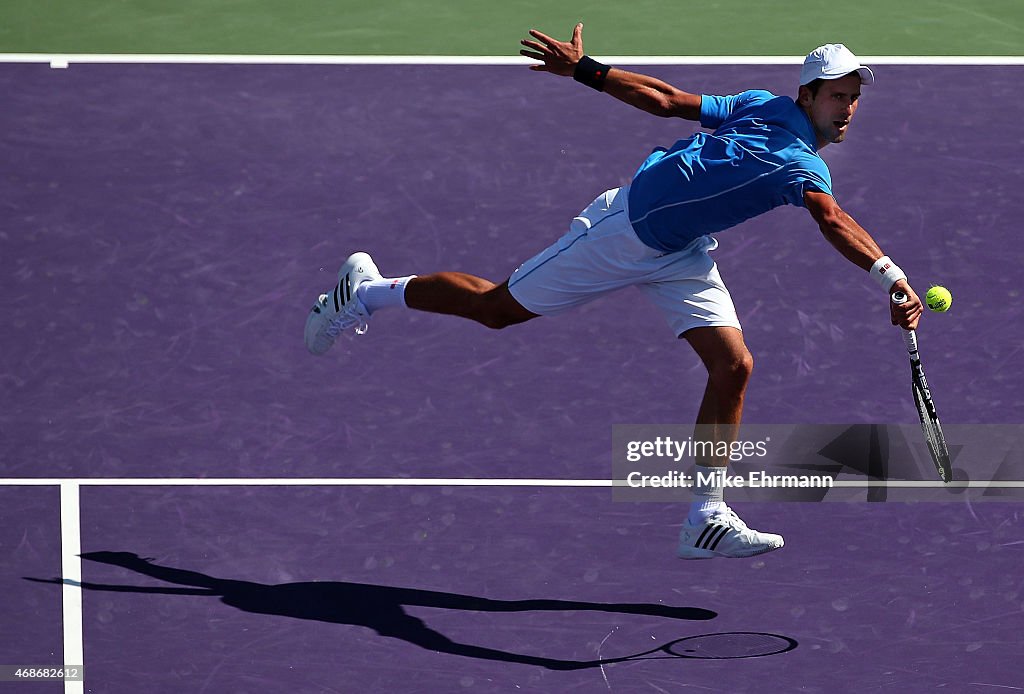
(910, 340)
(909, 336)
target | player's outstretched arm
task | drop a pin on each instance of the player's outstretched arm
(641, 91)
(855, 243)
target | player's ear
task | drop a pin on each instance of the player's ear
(804, 96)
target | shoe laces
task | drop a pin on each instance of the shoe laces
(729, 517)
(348, 317)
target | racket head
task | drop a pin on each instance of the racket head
(730, 645)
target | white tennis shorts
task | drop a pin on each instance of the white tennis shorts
(601, 253)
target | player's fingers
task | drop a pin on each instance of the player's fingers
(535, 46)
(577, 34)
(896, 314)
(543, 37)
(908, 317)
(535, 56)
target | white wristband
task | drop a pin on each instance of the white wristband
(887, 273)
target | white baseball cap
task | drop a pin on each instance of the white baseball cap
(832, 61)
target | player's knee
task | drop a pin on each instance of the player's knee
(734, 371)
(488, 312)
(496, 309)
(745, 365)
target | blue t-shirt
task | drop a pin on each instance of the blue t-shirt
(761, 155)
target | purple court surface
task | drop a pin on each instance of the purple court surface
(163, 231)
(30, 623)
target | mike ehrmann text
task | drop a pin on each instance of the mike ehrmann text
(756, 479)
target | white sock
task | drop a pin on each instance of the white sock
(707, 494)
(376, 294)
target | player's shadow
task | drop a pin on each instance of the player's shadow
(378, 607)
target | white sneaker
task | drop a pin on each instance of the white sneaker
(724, 535)
(340, 310)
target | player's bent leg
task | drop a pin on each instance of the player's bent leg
(361, 291)
(729, 365)
(712, 529)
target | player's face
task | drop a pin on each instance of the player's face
(832, 109)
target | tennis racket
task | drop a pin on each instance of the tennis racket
(923, 400)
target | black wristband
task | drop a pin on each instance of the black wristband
(591, 73)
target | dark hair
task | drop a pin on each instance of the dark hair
(814, 86)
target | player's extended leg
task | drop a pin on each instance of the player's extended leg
(361, 290)
(598, 254)
(459, 294)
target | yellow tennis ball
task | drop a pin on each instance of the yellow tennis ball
(938, 299)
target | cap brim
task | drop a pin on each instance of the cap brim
(863, 71)
(866, 76)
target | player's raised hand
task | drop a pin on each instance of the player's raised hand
(558, 57)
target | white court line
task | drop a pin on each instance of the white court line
(71, 571)
(63, 60)
(302, 482)
(932, 484)
(430, 482)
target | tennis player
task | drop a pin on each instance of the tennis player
(656, 234)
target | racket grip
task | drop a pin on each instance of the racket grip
(910, 340)
(909, 336)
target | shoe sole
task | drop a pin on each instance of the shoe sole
(310, 318)
(697, 553)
